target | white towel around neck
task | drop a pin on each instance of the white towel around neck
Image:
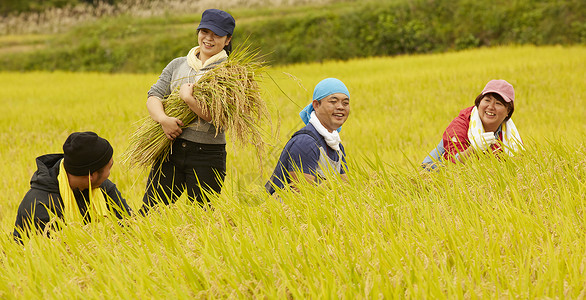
(332, 138)
(511, 139)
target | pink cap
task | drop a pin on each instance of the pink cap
(500, 87)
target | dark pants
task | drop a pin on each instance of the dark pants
(199, 168)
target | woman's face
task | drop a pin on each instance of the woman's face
(210, 43)
(492, 112)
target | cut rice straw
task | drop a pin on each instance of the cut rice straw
(232, 97)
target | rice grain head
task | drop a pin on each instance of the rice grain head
(230, 93)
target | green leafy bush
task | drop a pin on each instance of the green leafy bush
(316, 33)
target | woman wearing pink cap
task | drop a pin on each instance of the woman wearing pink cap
(484, 127)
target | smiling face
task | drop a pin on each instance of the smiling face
(332, 111)
(492, 112)
(210, 43)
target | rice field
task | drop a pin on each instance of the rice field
(485, 229)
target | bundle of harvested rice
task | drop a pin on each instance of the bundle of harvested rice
(231, 95)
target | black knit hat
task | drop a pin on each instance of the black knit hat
(85, 153)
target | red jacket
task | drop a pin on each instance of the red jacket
(456, 135)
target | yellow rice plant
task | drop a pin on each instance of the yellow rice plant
(231, 95)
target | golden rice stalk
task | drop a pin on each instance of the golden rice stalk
(230, 93)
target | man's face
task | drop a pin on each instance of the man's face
(98, 177)
(332, 111)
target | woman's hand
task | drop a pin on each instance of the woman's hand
(171, 126)
(186, 94)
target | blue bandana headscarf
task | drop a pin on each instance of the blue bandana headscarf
(323, 89)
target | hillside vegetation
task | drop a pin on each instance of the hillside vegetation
(301, 33)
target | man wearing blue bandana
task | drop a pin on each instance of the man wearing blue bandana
(316, 149)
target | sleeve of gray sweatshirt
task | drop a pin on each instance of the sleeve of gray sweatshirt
(162, 88)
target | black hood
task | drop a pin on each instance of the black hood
(45, 178)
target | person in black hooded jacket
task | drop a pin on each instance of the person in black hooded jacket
(73, 186)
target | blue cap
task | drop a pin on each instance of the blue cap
(218, 21)
(323, 89)
(329, 86)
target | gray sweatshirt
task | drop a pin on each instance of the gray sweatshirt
(176, 73)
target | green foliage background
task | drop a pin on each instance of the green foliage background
(24, 6)
(300, 34)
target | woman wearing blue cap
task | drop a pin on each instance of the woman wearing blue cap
(198, 156)
(316, 149)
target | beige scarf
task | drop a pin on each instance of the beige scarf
(195, 63)
(71, 214)
(511, 139)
